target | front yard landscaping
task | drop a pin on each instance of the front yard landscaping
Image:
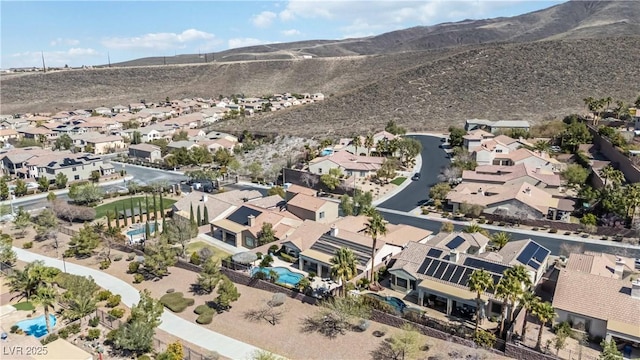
(399, 180)
(125, 204)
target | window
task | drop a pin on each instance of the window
(401, 282)
(76, 177)
(73, 169)
(321, 215)
(250, 242)
(319, 170)
(496, 308)
(499, 150)
(363, 174)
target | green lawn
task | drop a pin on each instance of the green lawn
(197, 245)
(399, 180)
(24, 306)
(125, 203)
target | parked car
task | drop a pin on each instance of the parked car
(415, 177)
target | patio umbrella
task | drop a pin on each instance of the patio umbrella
(246, 257)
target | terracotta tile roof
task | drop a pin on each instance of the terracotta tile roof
(476, 240)
(307, 234)
(596, 263)
(492, 195)
(596, 296)
(297, 189)
(307, 202)
(502, 174)
(145, 147)
(400, 235)
(351, 223)
(268, 201)
(478, 134)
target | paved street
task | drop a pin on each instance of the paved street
(433, 160)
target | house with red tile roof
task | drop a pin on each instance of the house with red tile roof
(361, 166)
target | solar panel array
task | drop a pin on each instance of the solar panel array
(455, 242)
(482, 264)
(434, 253)
(446, 271)
(533, 255)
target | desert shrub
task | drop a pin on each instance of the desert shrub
(93, 322)
(131, 257)
(27, 245)
(63, 333)
(14, 329)
(117, 258)
(69, 212)
(205, 318)
(133, 267)
(273, 249)
(113, 301)
(484, 339)
(104, 264)
(195, 258)
(312, 275)
(176, 302)
(200, 309)
(169, 291)
(103, 295)
(553, 231)
(144, 357)
(117, 313)
(74, 328)
(259, 255)
(50, 338)
(535, 229)
(138, 278)
(93, 334)
(111, 336)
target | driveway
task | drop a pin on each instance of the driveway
(433, 160)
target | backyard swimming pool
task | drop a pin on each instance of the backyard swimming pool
(285, 276)
(395, 302)
(36, 326)
(141, 229)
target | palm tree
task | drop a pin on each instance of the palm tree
(27, 281)
(343, 266)
(542, 145)
(611, 176)
(375, 227)
(545, 313)
(506, 290)
(500, 239)
(356, 142)
(520, 276)
(479, 282)
(528, 301)
(46, 296)
(474, 228)
(368, 143)
(633, 199)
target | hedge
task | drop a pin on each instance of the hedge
(176, 302)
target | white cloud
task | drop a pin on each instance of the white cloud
(158, 41)
(61, 41)
(243, 42)
(290, 32)
(71, 57)
(264, 19)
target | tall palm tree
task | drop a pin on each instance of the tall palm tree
(356, 142)
(506, 290)
(633, 199)
(368, 143)
(545, 313)
(520, 276)
(611, 176)
(27, 281)
(375, 227)
(528, 301)
(343, 266)
(479, 282)
(500, 239)
(47, 297)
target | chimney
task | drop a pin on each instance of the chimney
(453, 256)
(204, 198)
(252, 220)
(480, 191)
(635, 289)
(334, 230)
(527, 191)
(619, 270)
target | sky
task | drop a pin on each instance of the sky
(77, 33)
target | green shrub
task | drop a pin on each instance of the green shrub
(273, 249)
(117, 258)
(48, 339)
(103, 295)
(138, 278)
(259, 255)
(205, 318)
(553, 231)
(74, 328)
(93, 334)
(28, 245)
(63, 333)
(14, 329)
(94, 321)
(133, 267)
(288, 258)
(195, 258)
(104, 264)
(484, 339)
(312, 275)
(111, 336)
(176, 302)
(131, 257)
(424, 210)
(535, 229)
(116, 313)
(144, 357)
(113, 301)
(200, 309)
(169, 291)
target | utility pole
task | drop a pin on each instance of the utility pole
(44, 68)
(109, 59)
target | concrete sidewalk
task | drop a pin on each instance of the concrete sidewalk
(171, 323)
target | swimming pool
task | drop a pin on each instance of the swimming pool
(141, 229)
(36, 326)
(326, 152)
(285, 276)
(398, 304)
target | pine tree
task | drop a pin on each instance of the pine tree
(164, 226)
(147, 231)
(108, 219)
(199, 217)
(162, 209)
(133, 214)
(156, 228)
(140, 209)
(191, 217)
(206, 215)
(126, 219)
(117, 218)
(155, 208)
(146, 206)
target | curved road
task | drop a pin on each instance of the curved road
(395, 210)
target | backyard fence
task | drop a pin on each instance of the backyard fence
(6, 269)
